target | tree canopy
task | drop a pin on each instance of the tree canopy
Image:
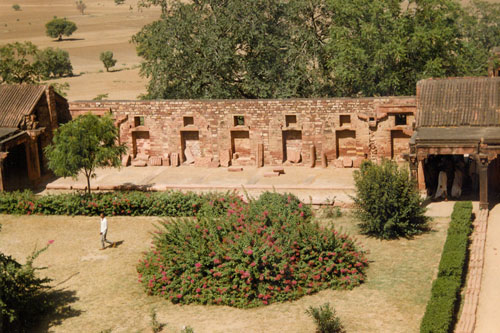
(84, 144)
(58, 27)
(107, 59)
(25, 63)
(311, 48)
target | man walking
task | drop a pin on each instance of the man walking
(104, 231)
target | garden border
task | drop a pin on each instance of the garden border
(467, 321)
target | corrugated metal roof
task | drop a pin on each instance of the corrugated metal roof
(458, 102)
(16, 101)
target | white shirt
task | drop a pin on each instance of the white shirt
(104, 225)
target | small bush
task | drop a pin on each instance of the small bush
(325, 319)
(445, 294)
(16, 7)
(387, 202)
(255, 254)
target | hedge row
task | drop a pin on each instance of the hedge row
(170, 203)
(441, 309)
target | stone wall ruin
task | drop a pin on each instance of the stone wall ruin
(339, 132)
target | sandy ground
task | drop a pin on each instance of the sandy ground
(99, 289)
(104, 27)
(488, 310)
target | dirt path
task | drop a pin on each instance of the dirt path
(488, 310)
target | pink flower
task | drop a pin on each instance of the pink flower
(179, 295)
(197, 265)
(249, 252)
(50, 241)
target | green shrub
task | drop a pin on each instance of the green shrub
(325, 319)
(53, 63)
(169, 203)
(445, 294)
(266, 251)
(22, 296)
(16, 7)
(387, 202)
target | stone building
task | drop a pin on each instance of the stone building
(28, 116)
(339, 132)
(458, 121)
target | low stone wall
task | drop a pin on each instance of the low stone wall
(340, 132)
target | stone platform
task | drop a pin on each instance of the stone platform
(315, 185)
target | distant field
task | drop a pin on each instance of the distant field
(104, 26)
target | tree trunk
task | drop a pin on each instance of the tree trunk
(88, 174)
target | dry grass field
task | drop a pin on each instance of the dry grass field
(98, 290)
(105, 26)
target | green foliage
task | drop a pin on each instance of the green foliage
(387, 202)
(187, 329)
(266, 251)
(100, 97)
(156, 326)
(22, 296)
(84, 143)
(60, 88)
(16, 7)
(169, 203)
(54, 63)
(107, 59)
(325, 319)
(445, 295)
(310, 48)
(119, 2)
(16, 63)
(58, 27)
(235, 49)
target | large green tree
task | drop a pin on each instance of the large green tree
(16, 63)
(231, 49)
(57, 27)
(84, 144)
(311, 48)
(53, 63)
(25, 63)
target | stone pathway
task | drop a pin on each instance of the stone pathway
(488, 309)
(473, 290)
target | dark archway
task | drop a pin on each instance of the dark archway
(15, 172)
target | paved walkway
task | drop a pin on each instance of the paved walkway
(319, 185)
(488, 312)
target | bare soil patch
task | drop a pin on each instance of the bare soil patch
(102, 291)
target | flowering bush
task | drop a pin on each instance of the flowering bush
(258, 253)
(170, 203)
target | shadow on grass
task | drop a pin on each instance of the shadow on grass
(67, 40)
(59, 309)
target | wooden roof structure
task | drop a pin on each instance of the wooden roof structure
(456, 102)
(18, 101)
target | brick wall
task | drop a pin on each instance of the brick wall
(355, 129)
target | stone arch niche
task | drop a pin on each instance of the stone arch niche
(345, 143)
(292, 146)
(190, 145)
(241, 145)
(399, 144)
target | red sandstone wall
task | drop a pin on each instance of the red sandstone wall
(371, 119)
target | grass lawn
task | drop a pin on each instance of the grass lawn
(98, 290)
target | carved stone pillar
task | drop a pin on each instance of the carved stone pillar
(483, 181)
(3, 156)
(32, 155)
